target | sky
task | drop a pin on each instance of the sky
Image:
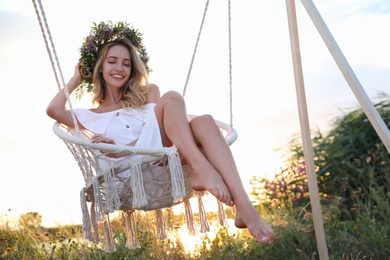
(39, 173)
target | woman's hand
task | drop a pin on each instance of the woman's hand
(96, 138)
(75, 81)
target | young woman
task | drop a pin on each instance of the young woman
(127, 103)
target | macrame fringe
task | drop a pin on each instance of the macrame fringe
(112, 201)
(100, 215)
(109, 245)
(204, 223)
(189, 218)
(131, 230)
(221, 214)
(87, 228)
(95, 227)
(177, 176)
(161, 227)
(137, 186)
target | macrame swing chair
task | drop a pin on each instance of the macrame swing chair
(107, 192)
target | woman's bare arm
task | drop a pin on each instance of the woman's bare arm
(57, 107)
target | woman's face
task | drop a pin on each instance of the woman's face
(116, 68)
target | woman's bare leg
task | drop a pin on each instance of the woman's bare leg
(217, 152)
(175, 128)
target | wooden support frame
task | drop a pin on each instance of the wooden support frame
(367, 106)
(305, 131)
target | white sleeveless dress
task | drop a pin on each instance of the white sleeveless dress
(124, 125)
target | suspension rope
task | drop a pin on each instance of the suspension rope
(46, 44)
(42, 12)
(230, 66)
(196, 47)
(230, 58)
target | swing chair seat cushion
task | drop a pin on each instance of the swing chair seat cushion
(157, 184)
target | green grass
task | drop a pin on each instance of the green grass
(364, 238)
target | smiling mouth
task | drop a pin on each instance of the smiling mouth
(117, 76)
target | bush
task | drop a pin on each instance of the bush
(353, 175)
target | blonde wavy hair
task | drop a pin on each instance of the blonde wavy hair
(135, 89)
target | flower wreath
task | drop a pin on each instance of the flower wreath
(99, 35)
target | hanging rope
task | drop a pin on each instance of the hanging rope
(196, 47)
(46, 43)
(42, 12)
(230, 58)
(230, 66)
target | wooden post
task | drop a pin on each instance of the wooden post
(305, 131)
(368, 108)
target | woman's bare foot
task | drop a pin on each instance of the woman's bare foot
(207, 178)
(251, 219)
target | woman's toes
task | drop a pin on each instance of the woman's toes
(265, 240)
